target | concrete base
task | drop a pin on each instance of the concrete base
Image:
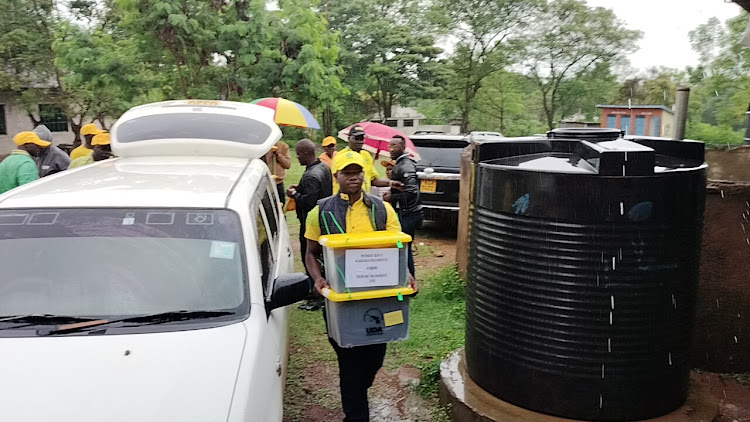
(470, 403)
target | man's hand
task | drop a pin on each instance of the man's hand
(395, 184)
(321, 284)
(291, 191)
(387, 196)
(413, 284)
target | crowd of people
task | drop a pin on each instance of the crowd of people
(36, 156)
(342, 192)
(339, 192)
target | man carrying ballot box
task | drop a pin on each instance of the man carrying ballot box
(350, 210)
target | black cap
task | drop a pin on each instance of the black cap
(357, 131)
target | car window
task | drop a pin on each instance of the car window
(120, 262)
(265, 251)
(194, 126)
(270, 207)
(440, 154)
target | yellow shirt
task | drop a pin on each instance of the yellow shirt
(79, 152)
(370, 172)
(357, 220)
(82, 161)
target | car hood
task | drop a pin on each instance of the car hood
(174, 376)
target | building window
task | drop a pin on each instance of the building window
(408, 122)
(3, 130)
(656, 126)
(53, 117)
(640, 125)
(391, 122)
(612, 121)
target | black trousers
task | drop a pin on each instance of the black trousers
(282, 192)
(409, 225)
(357, 369)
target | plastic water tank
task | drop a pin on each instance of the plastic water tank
(582, 274)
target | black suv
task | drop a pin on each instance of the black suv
(439, 172)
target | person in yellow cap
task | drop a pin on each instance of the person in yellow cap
(19, 167)
(350, 210)
(356, 142)
(102, 150)
(329, 151)
(88, 132)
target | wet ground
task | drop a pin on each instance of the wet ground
(393, 398)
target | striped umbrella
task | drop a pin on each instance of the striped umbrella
(289, 113)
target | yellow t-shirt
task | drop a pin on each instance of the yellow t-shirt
(357, 220)
(79, 152)
(82, 161)
(370, 172)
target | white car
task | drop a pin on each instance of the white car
(153, 286)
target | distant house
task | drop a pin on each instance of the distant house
(408, 120)
(14, 119)
(644, 120)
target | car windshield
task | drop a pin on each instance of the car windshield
(440, 154)
(120, 262)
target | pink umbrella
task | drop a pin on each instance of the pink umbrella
(377, 137)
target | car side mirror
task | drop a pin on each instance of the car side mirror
(289, 289)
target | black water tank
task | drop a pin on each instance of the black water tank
(582, 274)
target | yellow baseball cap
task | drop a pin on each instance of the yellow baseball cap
(23, 138)
(90, 129)
(349, 158)
(386, 163)
(101, 139)
(329, 140)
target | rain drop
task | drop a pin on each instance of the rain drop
(725, 394)
(743, 228)
(597, 279)
(674, 301)
(735, 340)
(747, 203)
(613, 302)
(610, 318)
(623, 170)
(626, 160)
(622, 206)
(601, 401)
(614, 267)
(717, 304)
(602, 371)
(748, 241)
(609, 345)
(722, 194)
(670, 359)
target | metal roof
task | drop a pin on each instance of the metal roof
(640, 106)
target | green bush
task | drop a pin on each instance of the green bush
(714, 136)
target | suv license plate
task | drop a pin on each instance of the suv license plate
(429, 186)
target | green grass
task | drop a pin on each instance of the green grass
(438, 318)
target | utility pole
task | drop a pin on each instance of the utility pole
(680, 113)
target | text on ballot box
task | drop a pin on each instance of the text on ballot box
(372, 267)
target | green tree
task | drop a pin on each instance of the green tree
(387, 51)
(566, 39)
(486, 32)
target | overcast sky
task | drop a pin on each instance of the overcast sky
(665, 25)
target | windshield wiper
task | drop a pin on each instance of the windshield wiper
(37, 319)
(146, 319)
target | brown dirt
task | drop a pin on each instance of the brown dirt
(730, 165)
(734, 398)
(722, 331)
(434, 247)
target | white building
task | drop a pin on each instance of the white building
(408, 120)
(14, 119)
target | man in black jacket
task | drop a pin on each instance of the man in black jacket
(316, 184)
(405, 199)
